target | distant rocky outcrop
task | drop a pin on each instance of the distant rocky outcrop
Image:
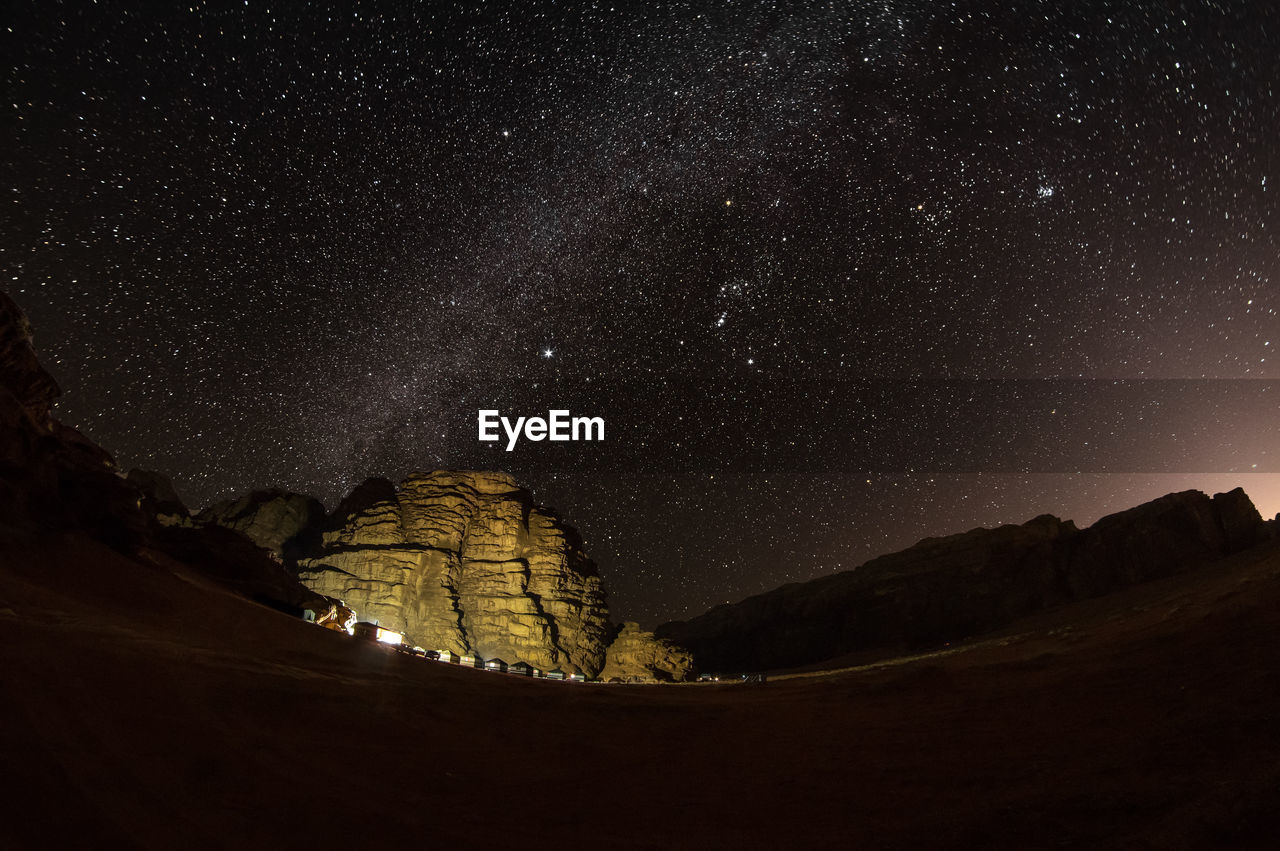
(159, 498)
(943, 589)
(285, 524)
(636, 656)
(466, 562)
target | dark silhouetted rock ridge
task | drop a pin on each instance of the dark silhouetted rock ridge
(943, 589)
(53, 478)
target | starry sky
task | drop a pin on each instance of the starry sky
(837, 275)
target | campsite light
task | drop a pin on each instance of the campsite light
(386, 636)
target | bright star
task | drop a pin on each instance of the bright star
(546, 353)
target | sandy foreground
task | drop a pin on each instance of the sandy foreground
(143, 706)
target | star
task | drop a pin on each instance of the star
(404, 251)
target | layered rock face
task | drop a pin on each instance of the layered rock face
(639, 656)
(944, 589)
(283, 523)
(465, 562)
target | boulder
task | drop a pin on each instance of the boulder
(636, 656)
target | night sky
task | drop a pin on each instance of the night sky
(838, 276)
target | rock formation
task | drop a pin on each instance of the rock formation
(465, 562)
(283, 523)
(52, 476)
(639, 656)
(159, 498)
(944, 589)
(26, 385)
(458, 561)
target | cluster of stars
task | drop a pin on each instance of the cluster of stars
(280, 245)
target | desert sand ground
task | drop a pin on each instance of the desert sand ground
(145, 707)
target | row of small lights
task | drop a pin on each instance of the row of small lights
(396, 639)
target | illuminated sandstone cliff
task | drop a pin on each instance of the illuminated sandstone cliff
(466, 562)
